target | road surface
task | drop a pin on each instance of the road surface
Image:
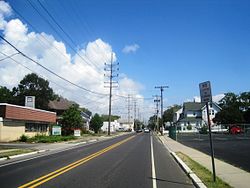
(123, 162)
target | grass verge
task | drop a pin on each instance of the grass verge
(203, 173)
(46, 139)
(11, 152)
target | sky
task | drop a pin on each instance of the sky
(176, 43)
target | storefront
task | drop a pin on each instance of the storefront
(18, 120)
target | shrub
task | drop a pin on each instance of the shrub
(203, 129)
(189, 127)
(23, 138)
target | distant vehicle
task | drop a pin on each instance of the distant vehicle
(235, 129)
(146, 130)
(139, 130)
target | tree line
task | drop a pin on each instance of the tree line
(235, 108)
(33, 85)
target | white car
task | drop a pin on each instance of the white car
(146, 131)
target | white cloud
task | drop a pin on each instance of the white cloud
(87, 71)
(130, 48)
(5, 10)
(216, 98)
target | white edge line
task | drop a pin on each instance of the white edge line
(153, 164)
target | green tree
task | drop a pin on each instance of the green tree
(113, 117)
(235, 108)
(96, 123)
(168, 114)
(71, 119)
(33, 85)
(229, 115)
(6, 96)
(152, 122)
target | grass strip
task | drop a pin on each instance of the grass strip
(9, 153)
(203, 173)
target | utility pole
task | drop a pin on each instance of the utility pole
(111, 68)
(130, 106)
(157, 101)
(161, 89)
(135, 114)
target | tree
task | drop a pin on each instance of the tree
(235, 108)
(33, 85)
(168, 114)
(152, 122)
(229, 115)
(113, 117)
(71, 119)
(5, 95)
(96, 122)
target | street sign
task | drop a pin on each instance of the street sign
(206, 96)
(205, 92)
(77, 132)
(56, 130)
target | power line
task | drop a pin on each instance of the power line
(71, 47)
(8, 56)
(52, 72)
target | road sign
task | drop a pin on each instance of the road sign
(77, 132)
(205, 92)
(56, 130)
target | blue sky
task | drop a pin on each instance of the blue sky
(181, 43)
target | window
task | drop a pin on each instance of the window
(36, 127)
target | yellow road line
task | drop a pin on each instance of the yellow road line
(62, 170)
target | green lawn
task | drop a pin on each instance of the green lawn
(203, 173)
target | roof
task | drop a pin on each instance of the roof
(61, 104)
(194, 106)
(15, 112)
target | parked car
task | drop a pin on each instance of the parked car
(235, 129)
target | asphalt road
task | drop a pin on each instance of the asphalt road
(120, 162)
(234, 149)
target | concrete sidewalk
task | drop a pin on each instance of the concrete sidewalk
(234, 176)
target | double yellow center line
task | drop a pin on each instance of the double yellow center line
(62, 170)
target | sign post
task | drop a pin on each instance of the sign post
(206, 96)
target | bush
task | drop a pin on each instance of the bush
(203, 129)
(23, 138)
(189, 127)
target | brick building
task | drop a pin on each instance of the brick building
(18, 120)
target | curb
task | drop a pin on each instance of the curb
(195, 179)
(21, 155)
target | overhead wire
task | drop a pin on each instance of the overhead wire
(47, 69)
(26, 67)
(8, 56)
(66, 34)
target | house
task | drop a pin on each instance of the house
(86, 116)
(60, 106)
(16, 121)
(193, 116)
(114, 125)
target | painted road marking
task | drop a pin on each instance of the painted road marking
(153, 163)
(62, 170)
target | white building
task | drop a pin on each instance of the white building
(193, 116)
(114, 125)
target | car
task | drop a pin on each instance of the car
(146, 130)
(138, 130)
(235, 129)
